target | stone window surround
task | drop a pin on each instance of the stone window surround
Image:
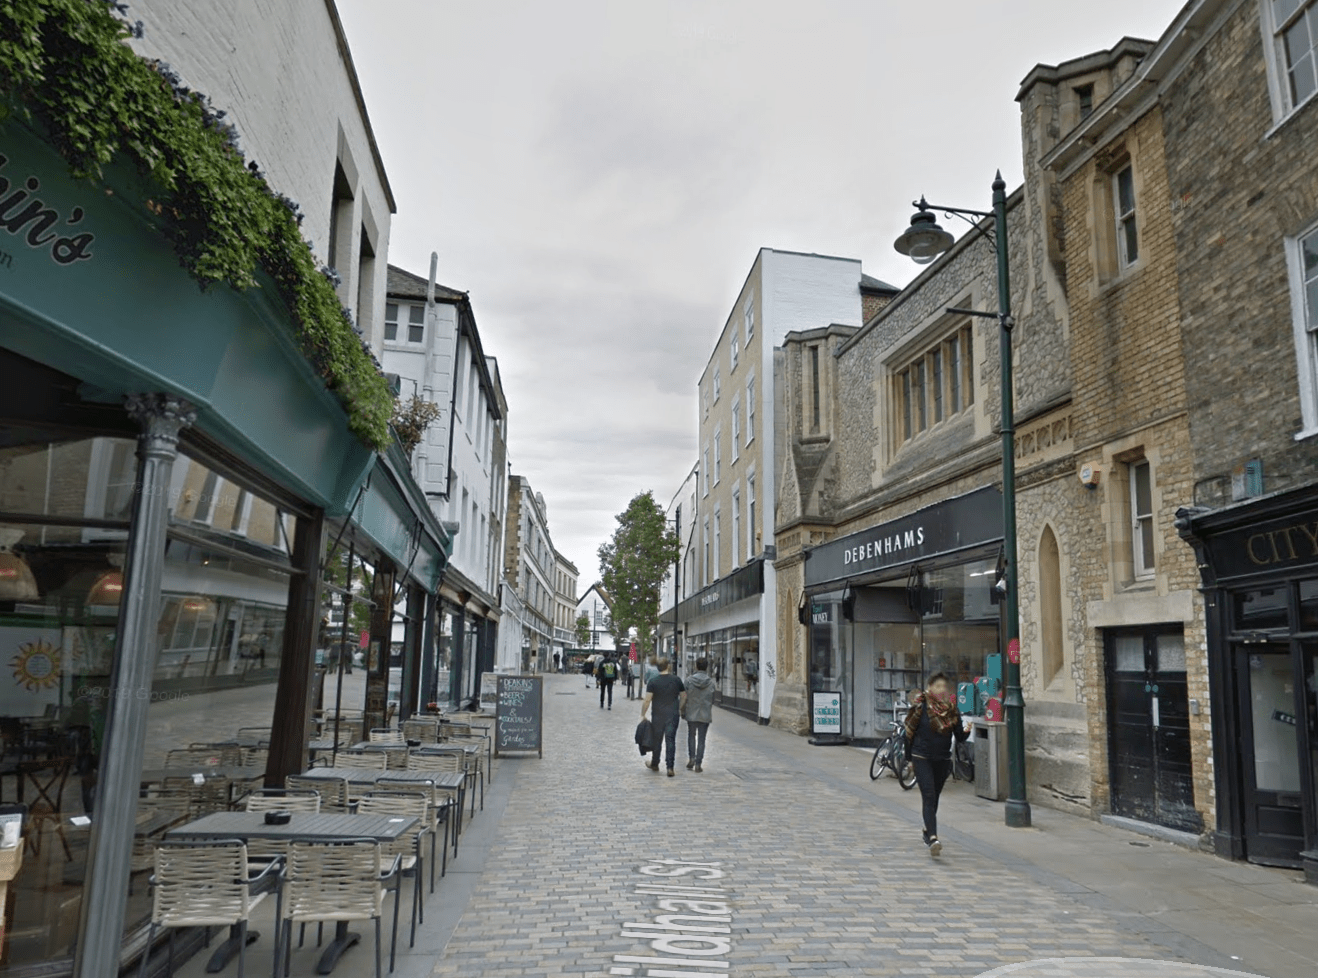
(1105, 250)
(1278, 86)
(937, 329)
(718, 454)
(1306, 343)
(1116, 510)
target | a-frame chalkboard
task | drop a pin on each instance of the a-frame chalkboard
(519, 715)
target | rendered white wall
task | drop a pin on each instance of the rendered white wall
(275, 67)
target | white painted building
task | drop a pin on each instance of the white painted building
(731, 615)
(597, 606)
(682, 514)
(288, 85)
(433, 349)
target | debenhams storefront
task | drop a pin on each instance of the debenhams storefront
(893, 603)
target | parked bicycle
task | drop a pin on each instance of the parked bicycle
(891, 754)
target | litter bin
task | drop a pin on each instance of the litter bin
(990, 759)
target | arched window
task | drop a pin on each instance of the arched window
(1050, 607)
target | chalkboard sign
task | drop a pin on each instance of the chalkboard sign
(519, 714)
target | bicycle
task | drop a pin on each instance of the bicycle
(891, 754)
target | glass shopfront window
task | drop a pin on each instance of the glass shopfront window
(900, 635)
(734, 662)
(219, 641)
(958, 621)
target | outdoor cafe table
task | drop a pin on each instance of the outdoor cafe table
(155, 774)
(467, 750)
(301, 827)
(359, 777)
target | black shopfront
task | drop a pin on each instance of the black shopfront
(889, 605)
(1259, 564)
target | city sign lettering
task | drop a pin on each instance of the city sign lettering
(39, 219)
(1287, 542)
(709, 599)
(1279, 546)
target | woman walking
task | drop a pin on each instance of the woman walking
(931, 723)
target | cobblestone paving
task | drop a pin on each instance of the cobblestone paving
(822, 881)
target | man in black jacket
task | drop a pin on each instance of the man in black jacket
(665, 691)
(607, 673)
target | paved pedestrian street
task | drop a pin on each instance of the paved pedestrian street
(823, 872)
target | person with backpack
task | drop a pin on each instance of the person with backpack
(607, 674)
(931, 723)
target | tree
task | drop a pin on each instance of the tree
(583, 630)
(634, 563)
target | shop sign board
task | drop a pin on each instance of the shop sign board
(1283, 544)
(826, 712)
(954, 524)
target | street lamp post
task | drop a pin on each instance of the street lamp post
(924, 241)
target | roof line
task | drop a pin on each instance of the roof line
(346, 54)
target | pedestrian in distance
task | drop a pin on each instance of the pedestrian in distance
(628, 676)
(698, 708)
(651, 670)
(664, 693)
(931, 724)
(607, 674)
(555, 662)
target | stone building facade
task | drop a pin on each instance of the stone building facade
(1240, 124)
(1141, 625)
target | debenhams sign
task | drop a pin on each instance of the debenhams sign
(955, 524)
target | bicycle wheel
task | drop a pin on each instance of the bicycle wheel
(880, 760)
(963, 762)
(904, 768)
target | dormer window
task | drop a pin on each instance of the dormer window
(1085, 96)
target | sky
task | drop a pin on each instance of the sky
(600, 174)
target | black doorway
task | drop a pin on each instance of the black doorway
(1273, 777)
(1149, 727)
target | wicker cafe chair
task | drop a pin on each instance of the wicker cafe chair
(386, 735)
(274, 800)
(283, 799)
(255, 757)
(333, 792)
(426, 731)
(336, 881)
(157, 812)
(205, 755)
(205, 884)
(407, 847)
(440, 764)
(370, 760)
(212, 795)
(440, 803)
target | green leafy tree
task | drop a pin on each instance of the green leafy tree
(635, 562)
(583, 630)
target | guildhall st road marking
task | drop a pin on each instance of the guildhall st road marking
(691, 936)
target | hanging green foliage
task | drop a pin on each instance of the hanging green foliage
(66, 63)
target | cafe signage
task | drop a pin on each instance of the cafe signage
(1281, 544)
(37, 224)
(954, 524)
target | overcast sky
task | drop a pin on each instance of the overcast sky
(600, 175)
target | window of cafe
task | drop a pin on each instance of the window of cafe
(64, 506)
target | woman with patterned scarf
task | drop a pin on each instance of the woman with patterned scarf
(931, 723)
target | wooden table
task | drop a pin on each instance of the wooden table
(302, 827)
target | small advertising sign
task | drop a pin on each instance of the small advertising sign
(826, 712)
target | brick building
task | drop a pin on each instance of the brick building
(1240, 126)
